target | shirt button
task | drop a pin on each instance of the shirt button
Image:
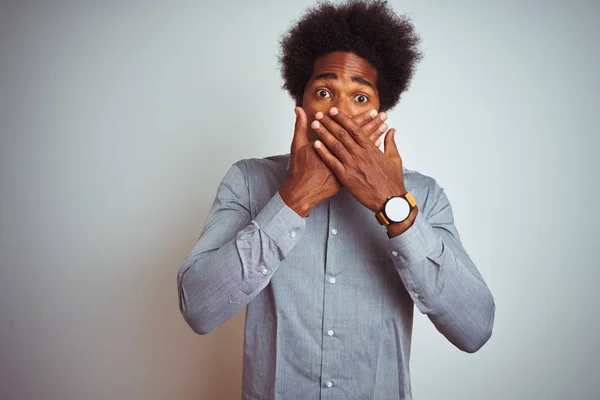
(265, 271)
(330, 332)
(334, 231)
(394, 253)
(293, 234)
(416, 295)
(331, 280)
(329, 384)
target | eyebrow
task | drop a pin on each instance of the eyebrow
(357, 79)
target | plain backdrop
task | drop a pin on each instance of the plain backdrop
(119, 119)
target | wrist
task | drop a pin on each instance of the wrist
(399, 228)
(294, 199)
(389, 192)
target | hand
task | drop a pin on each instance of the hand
(371, 176)
(310, 181)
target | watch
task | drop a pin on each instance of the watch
(396, 209)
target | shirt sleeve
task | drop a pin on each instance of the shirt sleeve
(440, 276)
(235, 257)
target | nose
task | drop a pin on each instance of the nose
(345, 105)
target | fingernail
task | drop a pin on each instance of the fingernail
(319, 115)
(373, 113)
(378, 143)
(315, 125)
(318, 144)
(383, 127)
(333, 111)
(383, 116)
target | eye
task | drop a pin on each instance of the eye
(361, 98)
(323, 93)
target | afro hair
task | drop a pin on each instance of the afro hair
(369, 29)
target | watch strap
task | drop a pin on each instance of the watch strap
(411, 200)
(381, 218)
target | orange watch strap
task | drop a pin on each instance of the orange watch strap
(411, 200)
(381, 218)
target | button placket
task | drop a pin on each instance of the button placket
(332, 271)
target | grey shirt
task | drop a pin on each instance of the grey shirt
(329, 297)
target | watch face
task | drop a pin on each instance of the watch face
(397, 209)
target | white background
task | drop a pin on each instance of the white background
(119, 119)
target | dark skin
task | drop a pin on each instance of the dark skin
(340, 148)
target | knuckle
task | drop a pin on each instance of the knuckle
(336, 147)
(371, 127)
(342, 133)
(357, 131)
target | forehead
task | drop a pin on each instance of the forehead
(344, 65)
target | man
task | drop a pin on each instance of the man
(332, 246)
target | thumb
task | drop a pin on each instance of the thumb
(390, 148)
(300, 130)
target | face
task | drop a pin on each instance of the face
(342, 80)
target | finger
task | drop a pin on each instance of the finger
(300, 130)
(376, 127)
(350, 126)
(379, 132)
(338, 131)
(390, 147)
(365, 117)
(329, 159)
(369, 124)
(331, 142)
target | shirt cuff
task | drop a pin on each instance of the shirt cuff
(414, 244)
(281, 223)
